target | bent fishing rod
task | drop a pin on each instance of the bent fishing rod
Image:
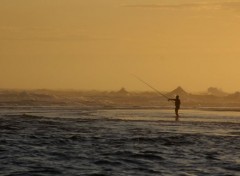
(158, 92)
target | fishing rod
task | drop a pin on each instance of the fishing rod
(159, 93)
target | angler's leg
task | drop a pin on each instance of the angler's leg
(176, 112)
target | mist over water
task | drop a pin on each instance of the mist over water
(48, 141)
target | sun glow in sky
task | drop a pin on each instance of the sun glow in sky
(98, 44)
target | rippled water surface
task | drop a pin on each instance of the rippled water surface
(69, 141)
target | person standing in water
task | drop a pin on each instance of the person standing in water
(177, 105)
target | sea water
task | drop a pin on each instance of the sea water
(71, 141)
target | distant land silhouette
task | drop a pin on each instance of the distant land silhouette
(213, 97)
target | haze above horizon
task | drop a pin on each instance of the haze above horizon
(98, 44)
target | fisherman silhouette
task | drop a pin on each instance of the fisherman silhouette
(177, 105)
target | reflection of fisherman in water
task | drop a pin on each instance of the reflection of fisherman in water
(177, 105)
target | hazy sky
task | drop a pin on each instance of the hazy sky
(98, 44)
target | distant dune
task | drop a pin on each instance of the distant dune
(113, 99)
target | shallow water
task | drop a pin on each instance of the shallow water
(69, 141)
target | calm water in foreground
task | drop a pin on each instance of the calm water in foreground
(46, 141)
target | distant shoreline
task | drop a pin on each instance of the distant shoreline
(230, 109)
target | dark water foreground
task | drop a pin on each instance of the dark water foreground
(40, 146)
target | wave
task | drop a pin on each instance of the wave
(37, 145)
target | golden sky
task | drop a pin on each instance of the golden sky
(98, 44)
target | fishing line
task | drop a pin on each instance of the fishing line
(158, 92)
